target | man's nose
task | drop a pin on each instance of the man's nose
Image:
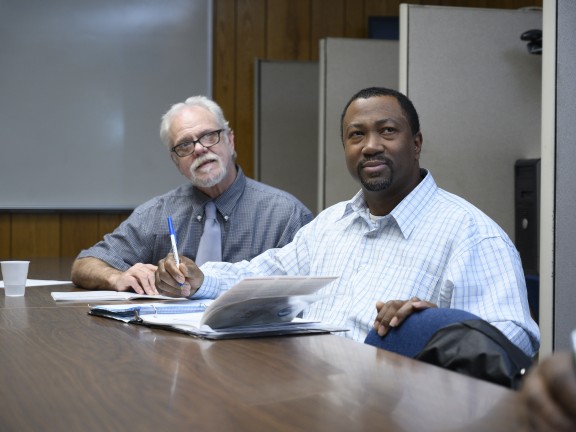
(374, 143)
(199, 149)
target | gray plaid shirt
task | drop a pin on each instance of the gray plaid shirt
(254, 217)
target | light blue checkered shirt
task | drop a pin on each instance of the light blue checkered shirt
(433, 245)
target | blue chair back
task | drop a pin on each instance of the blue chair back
(412, 335)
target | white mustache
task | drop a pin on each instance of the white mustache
(203, 159)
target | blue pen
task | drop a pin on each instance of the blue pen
(173, 240)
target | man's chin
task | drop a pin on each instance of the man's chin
(203, 183)
(376, 185)
(206, 181)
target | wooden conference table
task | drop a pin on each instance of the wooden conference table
(65, 370)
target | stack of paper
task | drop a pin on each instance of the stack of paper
(254, 307)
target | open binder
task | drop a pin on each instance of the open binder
(266, 306)
(131, 312)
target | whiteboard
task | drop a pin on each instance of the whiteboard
(83, 86)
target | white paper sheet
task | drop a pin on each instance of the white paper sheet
(39, 282)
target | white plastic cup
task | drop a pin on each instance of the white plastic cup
(14, 274)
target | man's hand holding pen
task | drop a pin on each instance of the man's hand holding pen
(178, 280)
(174, 276)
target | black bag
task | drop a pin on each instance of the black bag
(478, 349)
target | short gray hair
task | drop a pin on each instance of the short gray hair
(201, 101)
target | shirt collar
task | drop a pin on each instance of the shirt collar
(408, 211)
(225, 202)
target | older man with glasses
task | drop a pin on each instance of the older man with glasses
(246, 217)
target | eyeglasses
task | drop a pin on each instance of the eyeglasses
(207, 140)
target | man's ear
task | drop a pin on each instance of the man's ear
(417, 145)
(174, 158)
(231, 138)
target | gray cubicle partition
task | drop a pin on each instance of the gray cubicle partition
(286, 127)
(558, 236)
(346, 66)
(565, 251)
(478, 92)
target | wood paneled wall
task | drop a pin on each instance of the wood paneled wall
(26, 235)
(244, 30)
